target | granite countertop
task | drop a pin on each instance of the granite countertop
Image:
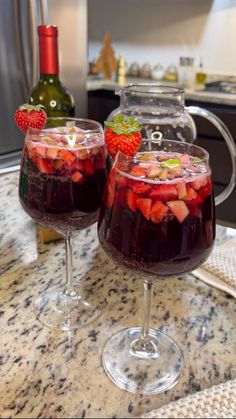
(94, 83)
(47, 373)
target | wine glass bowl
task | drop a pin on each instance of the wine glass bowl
(62, 179)
(157, 220)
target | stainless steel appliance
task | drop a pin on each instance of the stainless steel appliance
(19, 60)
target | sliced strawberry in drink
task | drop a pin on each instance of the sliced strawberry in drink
(164, 192)
(77, 177)
(137, 171)
(67, 156)
(191, 194)
(140, 187)
(78, 165)
(158, 211)
(99, 161)
(144, 206)
(89, 168)
(44, 165)
(194, 202)
(52, 153)
(131, 200)
(182, 190)
(179, 209)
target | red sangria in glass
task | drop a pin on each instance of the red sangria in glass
(157, 220)
(62, 180)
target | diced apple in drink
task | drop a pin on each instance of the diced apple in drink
(164, 174)
(182, 190)
(57, 164)
(184, 159)
(52, 153)
(179, 209)
(95, 150)
(199, 182)
(82, 153)
(166, 156)
(154, 171)
(32, 150)
(147, 157)
(175, 173)
(41, 151)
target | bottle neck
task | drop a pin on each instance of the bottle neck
(48, 55)
(49, 78)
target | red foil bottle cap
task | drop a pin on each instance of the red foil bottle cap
(48, 49)
(48, 30)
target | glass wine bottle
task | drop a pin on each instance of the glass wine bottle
(49, 91)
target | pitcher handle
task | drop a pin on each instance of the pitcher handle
(195, 110)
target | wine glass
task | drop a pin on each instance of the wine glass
(62, 179)
(157, 220)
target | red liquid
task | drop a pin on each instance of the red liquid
(63, 194)
(139, 230)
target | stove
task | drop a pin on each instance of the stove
(221, 86)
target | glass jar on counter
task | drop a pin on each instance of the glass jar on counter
(186, 72)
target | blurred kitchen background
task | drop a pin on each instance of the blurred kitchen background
(150, 37)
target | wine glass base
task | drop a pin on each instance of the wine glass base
(57, 310)
(142, 374)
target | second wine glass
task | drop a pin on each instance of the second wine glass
(62, 178)
(158, 221)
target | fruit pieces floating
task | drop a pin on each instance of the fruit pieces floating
(167, 166)
(141, 188)
(66, 152)
(122, 134)
(32, 116)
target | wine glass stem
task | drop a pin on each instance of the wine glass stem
(144, 347)
(69, 288)
(148, 289)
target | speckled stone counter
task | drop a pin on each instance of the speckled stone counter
(55, 374)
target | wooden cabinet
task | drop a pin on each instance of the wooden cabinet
(102, 102)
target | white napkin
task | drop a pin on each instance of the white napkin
(215, 402)
(220, 268)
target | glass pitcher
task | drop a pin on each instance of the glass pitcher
(162, 113)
